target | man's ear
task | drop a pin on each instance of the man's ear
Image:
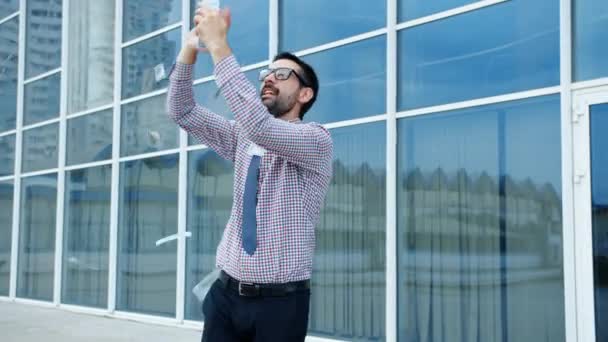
(306, 94)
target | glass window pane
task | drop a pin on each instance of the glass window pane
(348, 281)
(480, 224)
(205, 95)
(148, 213)
(42, 99)
(248, 39)
(304, 24)
(6, 231)
(590, 28)
(412, 9)
(515, 48)
(40, 148)
(86, 237)
(147, 128)
(599, 214)
(210, 179)
(139, 61)
(9, 36)
(7, 155)
(36, 261)
(350, 90)
(90, 54)
(8, 7)
(89, 138)
(43, 36)
(144, 16)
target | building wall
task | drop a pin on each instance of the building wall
(467, 91)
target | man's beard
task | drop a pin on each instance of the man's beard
(278, 106)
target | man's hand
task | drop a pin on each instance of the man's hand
(190, 48)
(212, 28)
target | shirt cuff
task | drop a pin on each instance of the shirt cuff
(181, 72)
(226, 70)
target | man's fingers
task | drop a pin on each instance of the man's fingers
(197, 19)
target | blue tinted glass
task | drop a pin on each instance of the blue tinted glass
(9, 36)
(144, 16)
(509, 47)
(40, 148)
(146, 127)
(350, 90)
(139, 61)
(599, 195)
(248, 36)
(7, 155)
(43, 36)
(412, 9)
(206, 95)
(148, 212)
(36, 260)
(86, 237)
(42, 99)
(590, 30)
(210, 179)
(90, 70)
(89, 138)
(8, 7)
(349, 278)
(480, 224)
(304, 24)
(6, 229)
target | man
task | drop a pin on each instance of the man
(282, 171)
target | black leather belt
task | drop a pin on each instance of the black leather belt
(246, 289)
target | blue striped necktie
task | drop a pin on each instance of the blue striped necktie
(249, 204)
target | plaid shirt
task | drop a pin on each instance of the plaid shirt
(294, 174)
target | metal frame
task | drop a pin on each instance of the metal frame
(578, 272)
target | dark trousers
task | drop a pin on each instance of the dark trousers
(230, 317)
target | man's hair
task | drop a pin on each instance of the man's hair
(307, 73)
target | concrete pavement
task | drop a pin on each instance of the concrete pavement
(29, 323)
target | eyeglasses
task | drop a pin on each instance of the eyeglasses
(281, 74)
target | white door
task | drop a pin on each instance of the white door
(590, 157)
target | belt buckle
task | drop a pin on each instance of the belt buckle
(243, 287)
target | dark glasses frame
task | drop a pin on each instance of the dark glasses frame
(267, 72)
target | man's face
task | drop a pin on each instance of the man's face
(280, 96)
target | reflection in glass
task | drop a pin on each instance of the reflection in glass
(146, 127)
(141, 59)
(599, 199)
(512, 46)
(412, 9)
(480, 224)
(348, 281)
(590, 27)
(209, 203)
(40, 148)
(144, 16)
(86, 237)
(8, 7)
(9, 56)
(90, 54)
(7, 155)
(89, 138)
(333, 20)
(42, 99)
(148, 213)
(6, 229)
(248, 39)
(350, 90)
(43, 36)
(206, 94)
(36, 260)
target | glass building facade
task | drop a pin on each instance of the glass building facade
(469, 200)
